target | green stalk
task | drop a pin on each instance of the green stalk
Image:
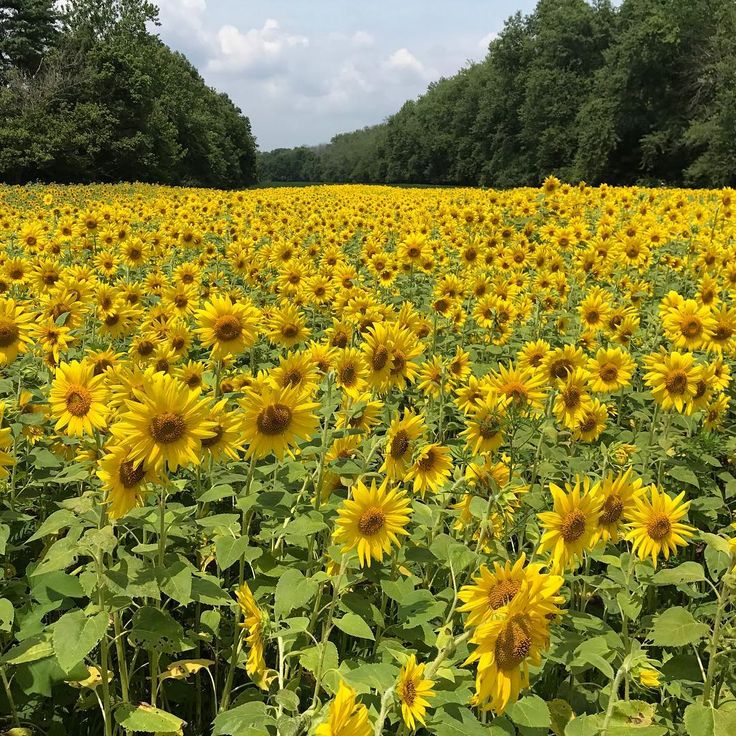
(713, 648)
(9, 696)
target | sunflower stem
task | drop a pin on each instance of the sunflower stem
(325, 442)
(9, 697)
(713, 647)
(614, 697)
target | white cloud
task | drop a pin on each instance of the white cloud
(404, 60)
(362, 39)
(256, 50)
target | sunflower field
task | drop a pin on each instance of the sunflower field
(352, 461)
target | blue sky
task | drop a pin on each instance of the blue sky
(304, 70)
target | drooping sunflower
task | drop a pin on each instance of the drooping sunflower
(414, 691)
(372, 521)
(166, 423)
(276, 419)
(431, 469)
(253, 622)
(346, 716)
(673, 379)
(14, 330)
(78, 399)
(655, 525)
(400, 439)
(492, 590)
(227, 440)
(570, 526)
(124, 480)
(226, 327)
(504, 648)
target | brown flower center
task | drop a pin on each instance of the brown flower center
(219, 431)
(371, 521)
(692, 327)
(348, 375)
(571, 397)
(168, 427)
(145, 348)
(399, 444)
(659, 527)
(227, 328)
(427, 461)
(560, 368)
(612, 509)
(289, 331)
(409, 692)
(513, 643)
(274, 419)
(573, 526)
(608, 373)
(503, 593)
(380, 358)
(78, 400)
(9, 332)
(676, 383)
(131, 474)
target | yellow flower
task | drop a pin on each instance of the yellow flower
(673, 379)
(649, 677)
(655, 525)
(573, 399)
(431, 469)
(276, 419)
(400, 438)
(124, 480)
(227, 328)
(346, 717)
(165, 425)
(413, 690)
(619, 493)
(253, 622)
(569, 528)
(14, 330)
(485, 426)
(372, 521)
(610, 370)
(78, 399)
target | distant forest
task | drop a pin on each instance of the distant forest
(641, 92)
(87, 93)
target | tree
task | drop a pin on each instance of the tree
(28, 28)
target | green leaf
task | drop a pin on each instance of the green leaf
(249, 718)
(7, 614)
(677, 627)
(30, 650)
(530, 711)
(147, 719)
(702, 720)
(57, 521)
(293, 590)
(228, 550)
(354, 625)
(684, 475)
(688, 572)
(310, 657)
(156, 629)
(4, 536)
(75, 636)
(176, 581)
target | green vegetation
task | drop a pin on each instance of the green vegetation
(89, 94)
(642, 92)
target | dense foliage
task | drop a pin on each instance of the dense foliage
(641, 92)
(90, 95)
(356, 461)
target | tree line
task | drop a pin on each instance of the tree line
(88, 93)
(640, 92)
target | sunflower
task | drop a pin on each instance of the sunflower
(78, 399)
(166, 423)
(532, 354)
(569, 528)
(6, 443)
(561, 361)
(610, 370)
(594, 309)
(673, 379)
(591, 422)
(458, 369)
(276, 419)
(14, 330)
(491, 591)
(363, 413)
(721, 337)
(295, 369)
(715, 413)
(485, 426)
(372, 521)
(413, 691)
(504, 648)
(346, 717)
(227, 440)
(400, 438)
(253, 622)
(619, 493)
(655, 525)
(53, 339)
(286, 326)
(688, 324)
(351, 372)
(573, 399)
(227, 328)
(123, 480)
(524, 387)
(431, 469)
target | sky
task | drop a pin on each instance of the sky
(304, 70)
